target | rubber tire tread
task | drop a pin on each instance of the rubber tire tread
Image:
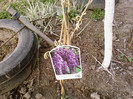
(18, 65)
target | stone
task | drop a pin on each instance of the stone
(23, 90)
(93, 67)
(38, 96)
(27, 95)
(130, 68)
(114, 38)
(42, 97)
(102, 52)
(94, 95)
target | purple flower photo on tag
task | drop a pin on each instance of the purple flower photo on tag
(66, 60)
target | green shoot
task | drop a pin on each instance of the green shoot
(37, 59)
(1, 1)
(65, 96)
(97, 14)
(51, 1)
(72, 15)
(121, 57)
(131, 59)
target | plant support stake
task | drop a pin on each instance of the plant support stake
(109, 16)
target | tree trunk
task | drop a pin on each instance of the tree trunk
(108, 33)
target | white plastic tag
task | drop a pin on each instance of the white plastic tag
(66, 62)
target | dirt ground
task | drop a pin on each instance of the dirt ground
(43, 85)
(8, 48)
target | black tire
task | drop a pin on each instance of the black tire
(19, 64)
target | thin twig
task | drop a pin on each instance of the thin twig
(47, 24)
(62, 89)
(80, 19)
(106, 69)
(83, 28)
(96, 60)
(37, 19)
(12, 36)
(131, 38)
(61, 33)
(67, 21)
(64, 22)
(117, 62)
(38, 69)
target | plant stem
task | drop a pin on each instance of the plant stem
(80, 19)
(65, 29)
(62, 89)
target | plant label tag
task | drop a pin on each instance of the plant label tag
(66, 62)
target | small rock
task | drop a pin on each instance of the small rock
(31, 83)
(95, 95)
(132, 94)
(23, 90)
(38, 96)
(86, 88)
(119, 97)
(82, 88)
(1, 97)
(113, 64)
(130, 67)
(31, 89)
(9, 93)
(93, 67)
(42, 97)
(10, 97)
(102, 52)
(114, 38)
(27, 95)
